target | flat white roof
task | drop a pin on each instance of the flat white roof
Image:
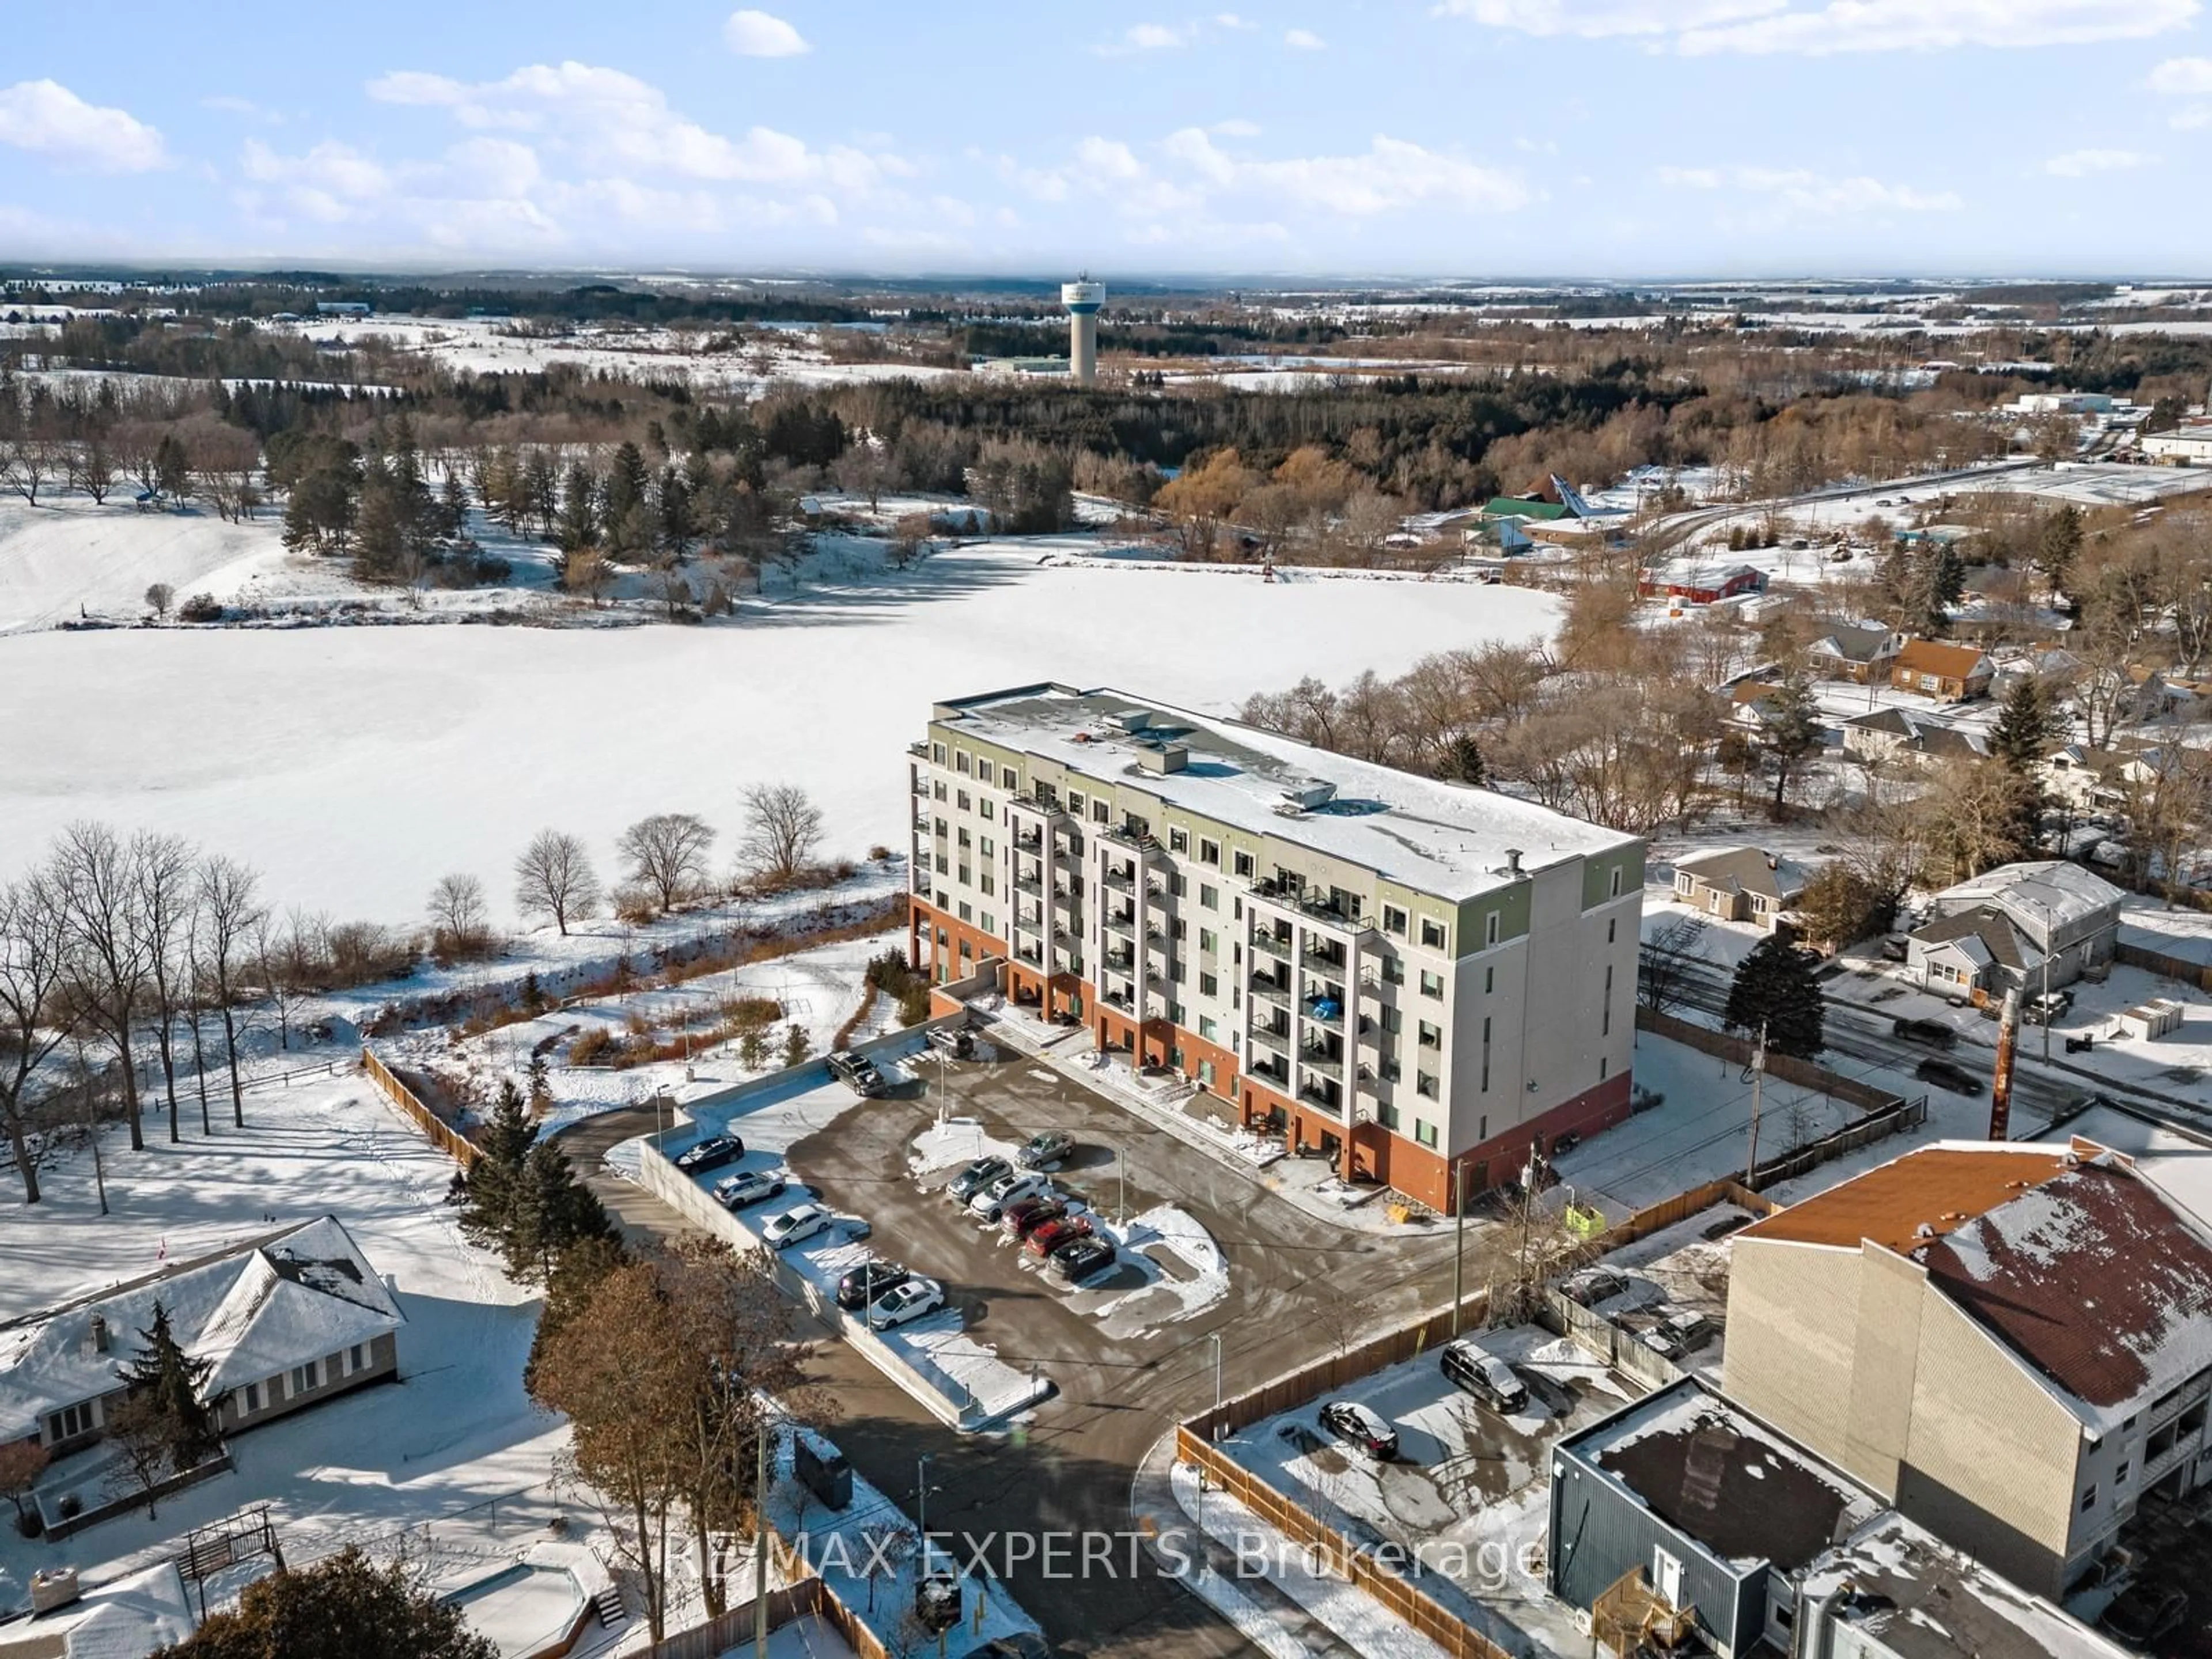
(1447, 839)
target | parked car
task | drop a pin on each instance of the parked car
(2141, 1614)
(1945, 1075)
(1680, 1334)
(1081, 1259)
(748, 1186)
(1048, 1236)
(1565, 1143)
(991, 1203)
(712, 1154)
(1933, 1032)
(868, 1281)
(1045, 1151)
(1025, 1216)
(1592, 1285)
(2044, 1010)
(1361, 1426)
(956, 1041)
(909, 1301)
(801, 1221)
(1896, 947)
(1472, 1369)
(857, 1072)
(976, 1176)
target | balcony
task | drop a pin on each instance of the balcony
(1120, 962)
(1324, 1095)
(1032, 842)
(1321, 1061)
(1277, 1038)
(1029, 954)
(1269, 994)
(1119, 1000)
(1272, 944)
(1033, 885)
(1135, 843)
(1325, 958)
(919, 749)
(1119, 882)
(2165, 1410)
(1270, 1071)
(1124, 924)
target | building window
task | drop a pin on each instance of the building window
(1393, 971)
(989, 884)
(1389, 1114)
(1486, 1057)
(937, 754)
(1424, 1132)
(357, 1356)
(988, 922)
(985, 772)
(1430, 1036)
(1489, 980)
(1101, 812)
(1010, 779)
(306, 1376)
(1244, 865)
(1685, 884)
(966, 911)
(70, 1422)
(1432, 985)
(1208, 986)
(2089, 1499)
(1075, 802)
(960, 760)
(1391, 1073)
(937, 789)
(967, 876)
(1208, 941)
(1605, 1025)
(1490, 928)
(986, 808)
(2120, 1474)
(943, 828)
(1424, 1085)
(962, 801)
(1603, 1066)
(1612, 930)
(1393, 1020)
(1209, 898)
(1178, 840)
(985, 842)
(250, 1398)
(1615, 891)
(1393, 920)
(1432, 934)
(1209, 851)
(1208, 1030)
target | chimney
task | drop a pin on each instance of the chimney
(1513, 860)
(1772, 862)
(99, 1333)
(53, 1587)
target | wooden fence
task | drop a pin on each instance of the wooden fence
(2169, 967)
(802, 1596)
(441, 1133)
(1726, 1045)
(1333, 1553)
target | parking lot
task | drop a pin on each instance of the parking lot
(1466, 1495)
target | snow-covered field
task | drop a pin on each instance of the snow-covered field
(355, 766)
(454, 1434)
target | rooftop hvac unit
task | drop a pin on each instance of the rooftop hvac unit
(53, 1587)
(1304, 794)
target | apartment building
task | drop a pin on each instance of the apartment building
(2010, 1342)
(1416, 979)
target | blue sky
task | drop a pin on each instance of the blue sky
(1470, 138)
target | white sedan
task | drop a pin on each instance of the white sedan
(905, 1301)
(789, 1226)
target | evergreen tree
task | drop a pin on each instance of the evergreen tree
(172, 467)
(1775, 988)
(1791, 734)
(501, 1149)
(549, 1212)
(679, 525)
(342, 1607)
(2057, 545)
(2026, 728)
(162, 1425)
(1463, 761)
(797, 1045)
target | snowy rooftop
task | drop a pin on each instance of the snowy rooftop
(1918, 1598)
(2065, 892)
(2175, 1157)
(1446, 839)
(125, 1619)
(297, 1294)
(1724, 1479)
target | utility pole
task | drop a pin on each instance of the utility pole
(760, 1544)
(1217, 1384)
(1758, 1076)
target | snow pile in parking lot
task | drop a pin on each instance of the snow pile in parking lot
(1196, 1278)
(951, 1142)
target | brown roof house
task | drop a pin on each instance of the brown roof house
(2011, 1343)
(1949, 673)
(1855, 651)
(1740, 883)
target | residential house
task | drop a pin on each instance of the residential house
(1908, 735)
(1695, 581)
(1415, 978)
(2064, 912)
(2187, 445)
(1860, 652)
(1740, 883)
(139, 1613)
(292, 1319)
(1948, 673)
(2011, 1343)
(1971, 955)
(2091, 780)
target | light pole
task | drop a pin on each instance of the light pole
(921, 1508)
(1216, 1336)
(1459, 1244)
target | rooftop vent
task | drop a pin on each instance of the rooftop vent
(1513, 860)
(1304, 794)
(1165, 757)
(1132, 720)
(53, 1587)
(99, 1337)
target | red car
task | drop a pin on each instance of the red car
(1023, 1219)
(1055, 1233)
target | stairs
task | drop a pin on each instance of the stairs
(609, 1605)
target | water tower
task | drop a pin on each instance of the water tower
(1083, 298)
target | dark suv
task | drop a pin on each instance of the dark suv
(1472, 1369)
(857, 1072)
(712, 1154)
(1946, 1075)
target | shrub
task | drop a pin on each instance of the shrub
(879, 855)
(70, 1507)
(596, 1046)
(200, 608)
(635, 906)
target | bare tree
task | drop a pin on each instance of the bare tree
(667, 855)
(230, 914)
(284, 957)
(96, 875)
(163, 868)
(461, 922)
(158, 598)
(33, 959)
(553, 877)
(1670, 963)
(783, 826)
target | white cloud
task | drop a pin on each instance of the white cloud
(757, 34)
(1237, 128)
(1697, 27)
(2189, 120)
(1303, 41)
(1798, 193)
(2182, 77)
(48, 120)
(1108, 158)
(2081, 163)
(1153, 37)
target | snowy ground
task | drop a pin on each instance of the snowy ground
(1467, 1496)
(355, 766)
(455, 1444)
